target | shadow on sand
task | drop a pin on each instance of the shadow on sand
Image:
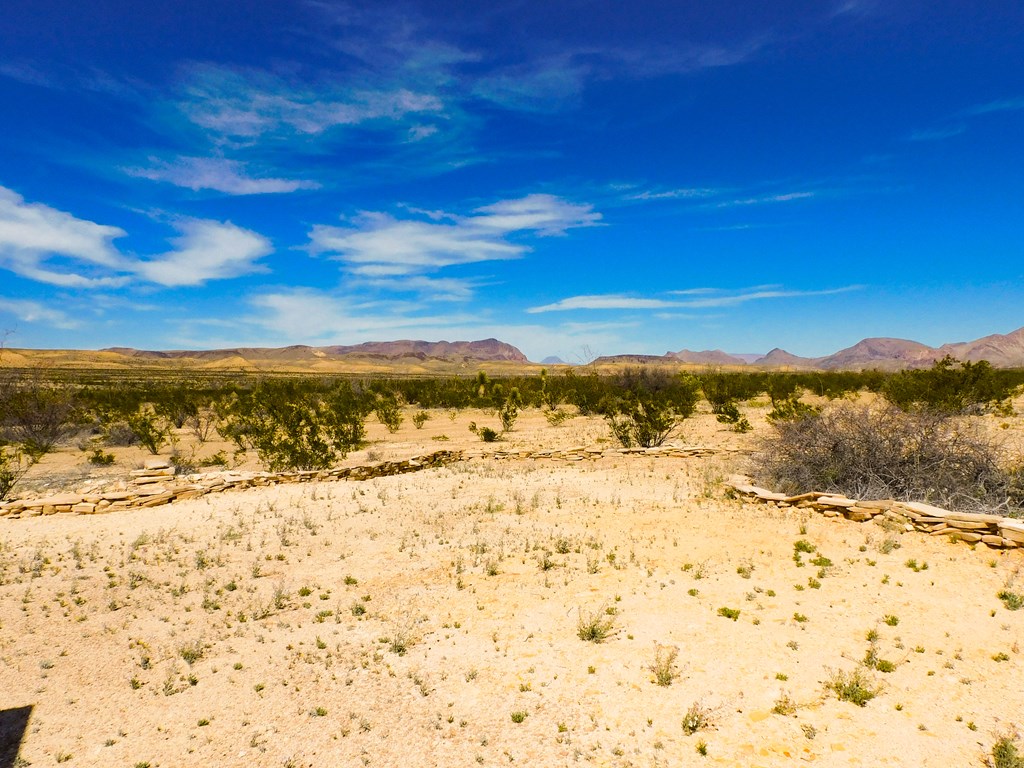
(13, 724)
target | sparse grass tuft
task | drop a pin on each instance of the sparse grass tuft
(595, 627)
(855, 687)
(663, 666)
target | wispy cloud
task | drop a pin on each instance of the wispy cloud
(216, 173)
(786, 197)
(50, 246)
(35, 312)
(684, 193)
(378, 244)
(237, 106)
(206, 250)
(32, 235)
(706, 299)
(604, 301)
(1000, 105)
(938, 134)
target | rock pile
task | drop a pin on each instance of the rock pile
(992, 530)
(156, 484)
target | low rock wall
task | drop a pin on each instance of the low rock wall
(992, 530)
(156, 484)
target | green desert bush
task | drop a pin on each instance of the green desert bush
(880, 451)
(292, 427)
(951, 386)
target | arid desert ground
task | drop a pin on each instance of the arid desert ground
(434, 619)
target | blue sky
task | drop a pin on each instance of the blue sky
(575, 178)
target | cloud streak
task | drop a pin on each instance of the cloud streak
(378, 244)
(217, 174)
(54, 247)
(621, 302)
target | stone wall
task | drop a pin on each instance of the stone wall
(156, 483)
(992, 530)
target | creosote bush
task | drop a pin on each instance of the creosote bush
(295, 428)
(880, 451)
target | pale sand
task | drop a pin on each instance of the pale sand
(83, 600)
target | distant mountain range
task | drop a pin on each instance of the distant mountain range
(1001, 350)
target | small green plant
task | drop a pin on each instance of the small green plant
(420, 418)
(1013, 601)
(99, 458)
(729, 613)
(663, 666)
(697, 718)
(854, 687)
(799, 618)
(891, 620)
(784, 705)
(487, 434)
(518, 716)
(916, 567)
(1006, 753)
(595, 627)
(319, 712)
(702, 748)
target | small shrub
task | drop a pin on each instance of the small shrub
(99, 458)
(697, 718)
(784, 705)
(595, 627)
(420, 418)
(1013, 601)
(729, 613)
(854, 687)
(879, 451)
(13, 466)
(663, 666)
(149, 428)
(1006, 754)
(488, 435)
(518, 716)
(388, 412)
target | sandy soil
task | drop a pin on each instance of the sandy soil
(414, 620)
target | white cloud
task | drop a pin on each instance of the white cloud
(244, 106)
(742, 298)
(606, 301)
(216, 173)
(206, 250)
(617, 301)
(688, 193)
(780, 198)
(380, 245)
(50, 246)
(426, 288)
(34, 312)
(32, 234)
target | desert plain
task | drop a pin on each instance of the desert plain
(438, 618)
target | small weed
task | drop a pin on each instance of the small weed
(595, 627)
(663, 666)
(518, 716)
(697, 718)
(1013, 601)
(854, 687)
(729, 613)
(784, 706)
(891, 620)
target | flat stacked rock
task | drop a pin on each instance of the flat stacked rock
(992, 530)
